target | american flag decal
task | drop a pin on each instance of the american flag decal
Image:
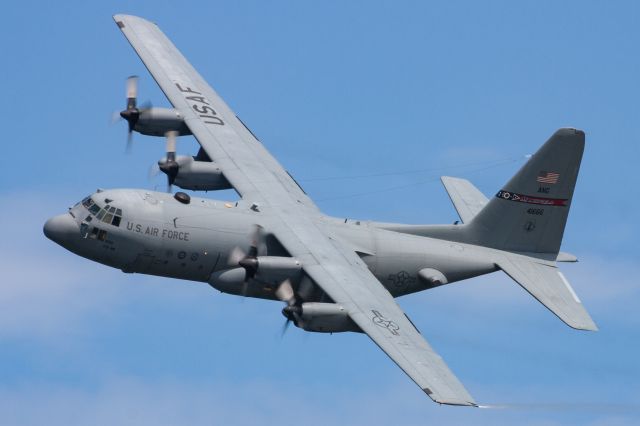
(548, 177)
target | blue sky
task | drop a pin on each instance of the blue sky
(334, 89)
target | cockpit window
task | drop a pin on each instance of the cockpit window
(91, 205)
(110, 215)
(107, 214)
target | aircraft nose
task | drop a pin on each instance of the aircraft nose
(61, 229)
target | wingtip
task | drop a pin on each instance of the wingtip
(451, 401)
(586, 325)
(458, 403)
(120, 17)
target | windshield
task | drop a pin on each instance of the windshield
(107, 214)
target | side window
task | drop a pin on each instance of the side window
(117, 216)
(94, 233)
(87, 202)
(102, 235)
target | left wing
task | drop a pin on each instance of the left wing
(258, 177)
(243, 160)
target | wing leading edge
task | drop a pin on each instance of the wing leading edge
(257, 176)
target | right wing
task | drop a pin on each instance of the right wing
(346, 279)
(466, 198)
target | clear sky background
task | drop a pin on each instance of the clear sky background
(334, 89)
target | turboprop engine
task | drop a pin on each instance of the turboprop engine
(187, 172)
(320, 317)
(148, 120)
(156, 121)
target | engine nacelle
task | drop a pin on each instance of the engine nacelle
(276, 269)
(323, 318)
(159, 121)
(266, 274)
(198, 175)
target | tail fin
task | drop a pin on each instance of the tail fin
(530, 212)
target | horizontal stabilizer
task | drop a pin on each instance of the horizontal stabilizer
(466, 198)
(548, 285)
(566, 257)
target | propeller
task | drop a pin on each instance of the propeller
(170, 166)
(248, 260)
(131, 113)
(293, 310)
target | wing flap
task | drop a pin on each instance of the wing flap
(550, 287)
(466, 198)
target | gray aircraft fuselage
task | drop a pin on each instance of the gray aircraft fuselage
(158, 235)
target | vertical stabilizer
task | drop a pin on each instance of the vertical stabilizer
(529, 213)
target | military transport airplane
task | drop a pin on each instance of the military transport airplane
(333, 275)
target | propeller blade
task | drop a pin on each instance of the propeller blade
(131, 113)
(129, 139)
(115, 117)
(285, 293)
(171, 145)
(132, 91)
(257, 242)
(154, 170)
(171, 167)
(248, 261)
(285, 327)
(236, 255)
